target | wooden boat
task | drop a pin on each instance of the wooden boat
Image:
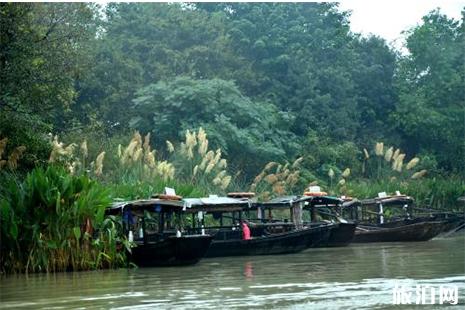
(156, 225)
(341, 236)
(375, 224)
(277, 243)
(321, 210)
(267, 238)
(330, 207)
(450, 222)
(377, 210)
(454, 221)
(422, 231)
(171, 251)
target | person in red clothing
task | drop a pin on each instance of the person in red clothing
(245, 231)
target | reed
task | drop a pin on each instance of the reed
(346, 173)
(419, 174)
(412, 163)
(143, 190)
(196, 163)
(379, 149)
(392, 166)
(388, 154)
(3, 143)
(138, 162)
(277, 179)
(11, 161)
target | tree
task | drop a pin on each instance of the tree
(373, 74)
(145, 43)
(42, 52)
(430, 80)
(298, 57)
(249, 133)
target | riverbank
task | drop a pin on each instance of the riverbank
(52, 220)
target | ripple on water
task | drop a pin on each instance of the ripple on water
(359, 276)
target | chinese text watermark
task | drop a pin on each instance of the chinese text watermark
(425, 295)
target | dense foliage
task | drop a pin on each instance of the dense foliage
(430, 81)
(54, 221)
(287, 94)
(259, 134)
(267, 81)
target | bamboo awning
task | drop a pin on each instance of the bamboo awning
(389, 200)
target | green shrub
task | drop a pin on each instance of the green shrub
(54, 221)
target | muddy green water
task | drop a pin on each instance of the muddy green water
(353, 277)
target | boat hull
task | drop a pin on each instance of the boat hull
(341, 235)
(280, 243)
(172, 251)
(422, 231)
(451, 223)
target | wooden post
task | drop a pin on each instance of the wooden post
(297, 215)
(381, 212)
(313, 213)
(143, 230)
(161, 222)
(193, 223)
(261, 213)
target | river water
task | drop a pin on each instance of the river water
(360, 276)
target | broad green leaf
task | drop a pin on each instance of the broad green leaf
(77, 232)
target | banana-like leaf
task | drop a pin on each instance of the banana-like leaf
(77, 233)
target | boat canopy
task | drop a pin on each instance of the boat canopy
(154, 205)
(289, 201)
(276, 203)
(213, 204)
(351, 203)
(216, 204)
(399, 200)
(324, 201)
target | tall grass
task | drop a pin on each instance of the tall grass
(277, 180)
(144, 190)
(197, 164)
(189, 162)
(390, 163)
(10, 162)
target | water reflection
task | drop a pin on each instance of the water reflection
(248, 270)
(352, 277)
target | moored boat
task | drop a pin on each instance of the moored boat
(155, 227)
(265, 237)
(378, 220)
(422, 231)
(295, 206)
(450, 222)
(342, 236)
(293, 241)
(322, 210)
(330, 207)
